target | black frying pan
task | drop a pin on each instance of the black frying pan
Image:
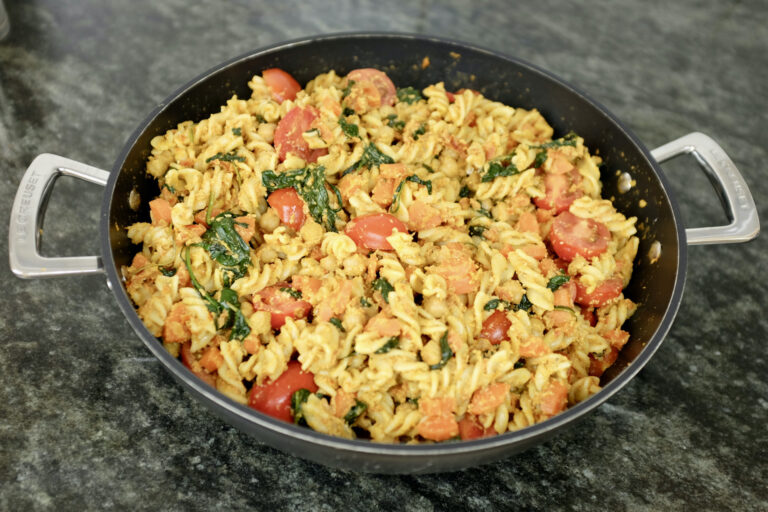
(657, 282)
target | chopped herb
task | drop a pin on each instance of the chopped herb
(170, 188)
(392, 122)
(298, 398)
(484, 213)
(355, 412)
(476, 230)
(384, 287)
(167, 271)
(237, 131)
(445, 353)
(337, 323)
(296, 294)
(372, 157)
(409, 95)
(413, 178)
(348, 112)
(421, 130)
(364, 302)
(226, 157)
(558, 281)
(347, 89)
(497, 169)
(349, 129)
(495, 303)
(520, 363)
(391, 343)
(226, 247)
(428, 168)
(465, 192)
(310, 183)
(525, 304)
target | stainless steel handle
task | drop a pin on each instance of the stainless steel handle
(730, 186)
(27, 219)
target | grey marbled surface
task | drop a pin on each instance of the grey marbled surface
(88, 420)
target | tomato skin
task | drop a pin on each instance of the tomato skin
(274, 398)
(280, 304)
(495, 328)
(601, 295)
(288, 134)
(289, 207)
(371, 231)
(571, 236)
(469, 428)
(379, 79)
(558, 197)
(281, 83)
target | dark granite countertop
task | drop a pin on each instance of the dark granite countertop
(89, 420)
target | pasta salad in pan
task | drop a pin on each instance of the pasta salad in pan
(394, 264)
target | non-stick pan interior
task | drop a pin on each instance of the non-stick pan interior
(656, 285)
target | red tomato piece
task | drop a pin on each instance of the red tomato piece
(469, 428)
(379, 79)
(571, 235)
(281, 83)
(597, 366)
(451, 97)
(288, 134)
(371, 231)
(558, 197)
(589, 315)
(495, 328)
(289, 207)
(194, 365)
(274, 398)
(280, 304)
(601, 295)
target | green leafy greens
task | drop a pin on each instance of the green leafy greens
(497, 168)
(412, 178)
(296, 294)
(391, 343)
(298, 398)
(421, 130)
(226, 247)
(393, 122)
(477, 230)
(226, 157)
(337, 323)
(310, 184)
(409, 95)
(384, 287)
(558, 281)
(372, 157)
(349, 129)
(445, 353)
(355, 411)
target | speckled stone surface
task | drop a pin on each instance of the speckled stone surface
(88, 420)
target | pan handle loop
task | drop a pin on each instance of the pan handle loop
(25, 231)
(729, 184)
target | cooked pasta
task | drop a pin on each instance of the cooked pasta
(398, 265)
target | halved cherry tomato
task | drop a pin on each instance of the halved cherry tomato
(379, 79)
(371, 231)
(281, 83)
(601, 295)
(571, 235)
(289, 206)
(288, 134)
(274, 398)
(194, 365)
(469, 428)
(495, 328)
(557, 188)
(280, 304)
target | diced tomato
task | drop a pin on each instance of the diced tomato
(617, 338)
(245, 227)
(558, 195)
(598, 365)
(527, 223)
(589, 315)
(281, 83)
(451, 97)
(601, 295)
(280, 304)
(288, 134)
(160, 211)
(379, 79)
(534, 347)
(371, 231)
(190, 362)
(487, 399)
(554, 398)
(438, 428)
(469, 428)
(274, 398)
(571, 235)
(289, 207)
(423, 216)
(495, 327)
